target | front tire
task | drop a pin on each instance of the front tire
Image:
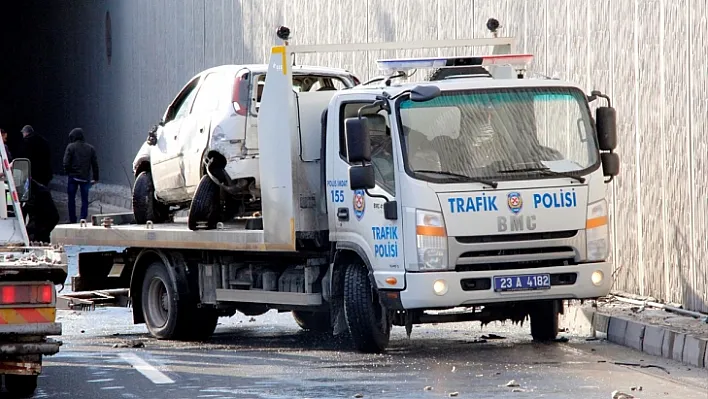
(145, 205)
(544, 321)
(368, 320)
(21, 386)
(205, 205)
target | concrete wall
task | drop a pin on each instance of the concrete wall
(647, 54)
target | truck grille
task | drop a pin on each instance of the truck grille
(551, 235)
(515, 258)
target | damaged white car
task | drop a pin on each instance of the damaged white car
(204, 152)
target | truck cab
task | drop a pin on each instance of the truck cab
(474, 192)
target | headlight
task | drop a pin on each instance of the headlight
(431, 241)
(597, 231)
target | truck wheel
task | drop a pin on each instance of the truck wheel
(162, 312)
(368, 320)
(313, 321)
(145, 205)
(205, 205)
(21, 386)
(544, 321)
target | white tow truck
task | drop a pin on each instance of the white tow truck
(28, 275)
(477, 193)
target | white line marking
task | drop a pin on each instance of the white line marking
(146, 369)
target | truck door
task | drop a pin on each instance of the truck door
(356, 217)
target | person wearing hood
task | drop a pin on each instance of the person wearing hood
(81, 168)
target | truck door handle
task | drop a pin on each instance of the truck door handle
(343, 213)
(201, 130)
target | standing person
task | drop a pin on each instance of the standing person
(41, 211)
(3, 133)
(38, 152)
(80, 164)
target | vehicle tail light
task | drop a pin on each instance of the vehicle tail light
(26, 294)
(240, 94)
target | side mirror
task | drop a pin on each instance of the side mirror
(610, 164)
(423, 93)
(361, 177)
(358, 141)
(21, 172)
(606, 124)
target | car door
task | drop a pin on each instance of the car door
(165, 156)
(195, 130)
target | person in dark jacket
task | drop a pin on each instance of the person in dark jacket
(38, 152)
(81, 167)
(3, 133)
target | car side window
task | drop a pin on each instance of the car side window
(180, 107)
(208, 96)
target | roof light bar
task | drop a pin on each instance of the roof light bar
(405, 64)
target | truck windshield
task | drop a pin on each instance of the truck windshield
(498, 134)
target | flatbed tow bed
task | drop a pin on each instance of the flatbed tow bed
(231, 236)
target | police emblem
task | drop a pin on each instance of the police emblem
(514, 202)
(359, 204)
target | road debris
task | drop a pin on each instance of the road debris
(130, 344)
(518, 390)
(453, 394)
(512, 384)
(453, 369)
(428, 388)
(359, 395)
(492, 336)
(622, 395)
(639, 388)
(644, 366)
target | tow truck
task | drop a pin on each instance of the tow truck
(28, 275)
(475, 193)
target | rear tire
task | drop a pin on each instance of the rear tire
(205, 205)
(145, 205)
(21, 386)
(168, 318)
(544, 321)
(368, 320)
(313, 321)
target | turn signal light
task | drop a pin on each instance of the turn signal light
(26, 294)
(391, 281)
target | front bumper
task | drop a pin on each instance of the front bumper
(419, 292)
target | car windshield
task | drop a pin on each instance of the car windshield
(499, 134)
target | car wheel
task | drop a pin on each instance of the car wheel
(205, 205)
(145, 205)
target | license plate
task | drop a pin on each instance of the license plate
(527, 282)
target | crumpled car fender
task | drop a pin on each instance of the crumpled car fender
(143, 155)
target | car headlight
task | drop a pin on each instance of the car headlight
(597, 231)
(431, 240)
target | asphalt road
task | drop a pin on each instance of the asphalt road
(271, 358)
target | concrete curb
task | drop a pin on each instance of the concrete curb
(656, 340)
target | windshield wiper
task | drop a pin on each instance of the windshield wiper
(490, 183)
(546, 170)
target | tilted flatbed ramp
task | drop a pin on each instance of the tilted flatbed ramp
(231, 236)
